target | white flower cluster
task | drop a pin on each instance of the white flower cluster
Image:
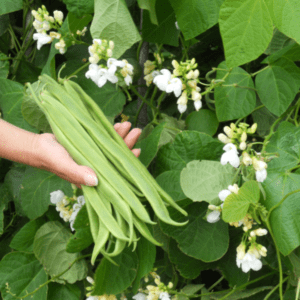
(43, 23)
(67, 210)
(251, 259)
(102, 297)
(150, 66)
(81, 32)
(100, 74)
(214, 216)
(259, 165)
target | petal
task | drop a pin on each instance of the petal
(182, 108)
(112, 78)
(56, 196)
(128, 79)
(225, 158)
(224, 194)
(198, 104)
(256, 265)
(101, 81)
(213, 217)
(261, 175)
(245, 267)
(234, 160)
(166, 73)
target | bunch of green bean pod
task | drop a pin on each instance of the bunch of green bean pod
(114, 207)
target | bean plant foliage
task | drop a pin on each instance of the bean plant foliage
(214, 84)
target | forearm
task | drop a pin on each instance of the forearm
(18, 145)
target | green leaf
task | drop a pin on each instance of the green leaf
(4, 66)
(114, 22)
(285, 15)
(242, 294)
(49, 247)
(32, 112)
(295, 261)
(82, 237)
(236, 205)
(122, 275)
(187, 146)
(203, 180)
(165, 32)
(149, 145)
(27, 72)
(291, 52)
(196, 16)
(246, 29)
(78, 23)
(4, 24)
(190, 289)
(203, 120)
(233, 102)
(187, 266)
(23, 273)
(79, 8)
(170, 182)
(278, 85)
(2, 207)
(285, 142)
(23, 240)
(109, 99)
(146, 252)
(198, 239)
(284, 220)
(150, 6)
(36, 188)
(279, 41)
(11, 96)
(8, 6)
(65, 291)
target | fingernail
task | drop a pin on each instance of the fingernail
(90, 180)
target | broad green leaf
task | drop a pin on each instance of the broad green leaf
(227, 264)
(187, 266)
(146, 252)
(4, 23)
(187, 146)
(203, 180)
(2, 207)
(291, 52)
(190, 289)
(285, 15)
(32, 112)
(295, 260)
(278, 85)
(79, 8)
(196, 16)
(63, 291)
(36, 188)
(165, 32)
(4, 65)
(149, 145)
(27, 72)
(24, 274)
(285, 142)
(111, 279)
(114, 22)
(284, 220)
(82, 237)
(23, 240)
(203, 120)
(171, 129)
(170, 182)
(279, 41)
(109, 99)
(233, 102)
(8, 6)
(150, 6)
(11, 96)
(50, 249)
(242, 294)
(236, 205)
(198, 239)
(78, 23)
(246, 28)
(160, 236)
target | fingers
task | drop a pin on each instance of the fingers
(122, 128)
(136, 152)
(132, 137)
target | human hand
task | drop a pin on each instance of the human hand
(55, 158)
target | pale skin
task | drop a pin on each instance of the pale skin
(43, 151)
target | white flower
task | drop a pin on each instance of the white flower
(61, 46)
(230, 156)
(247, 160)
(46, 25)
(224, 194)
(139, 296)
(128, 80)
(58, 15)
(162, 81)
(198, 104)
(213, 217)
(56, 196)
(182, 102)
(261, 175)
(81, 200)
(241, 251)
(42, 39)
(164, 296)
(174, 85)
(249, 262)
(223, 138)
(112, 65)
(97, 41)
(243, 145)
(92, 73)
(104, 75)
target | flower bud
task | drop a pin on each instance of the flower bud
(190, 74)
(223, 138)
(193, 61)
(243, 146)
(196, 74)
(228, 131)
(212, 207)
(109, 52)
(175, 64)
(196, 96)
(233, 188)
(261, 231)
(232, 126)
(244, 137)
(241, 251)
(58, 15)
(253, 128)
(262, 251)
(111, 45)
(247, 160)
(192, 83)
(170, 285)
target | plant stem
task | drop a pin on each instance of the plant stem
(253, 74)
(185, 50)
(78, 70)
(274, 289)
(298, 290)
(216, 283)
(257, 108)
(140, 108)
(143, 99)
